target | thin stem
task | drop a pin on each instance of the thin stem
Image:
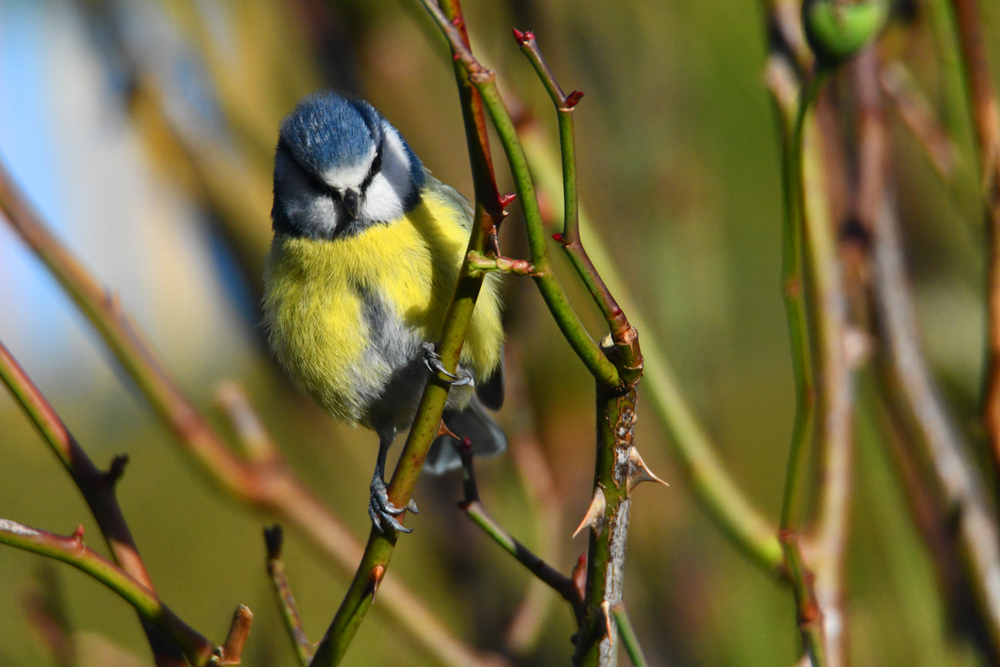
(986, 120)
(268, 486)
(795, 303)
(629, 638)
(97, 487)
(712, 485)
(552, 292)
(197, 649)
(809, 614)
(474, 509)
(621, 332)
(273, 538)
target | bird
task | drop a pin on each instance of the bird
(366, 251)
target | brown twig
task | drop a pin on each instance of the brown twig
(474, 509)
(268, 486)
(906, 378)
(97, 488)
(919, 118)
(273, 539)
(986, 120)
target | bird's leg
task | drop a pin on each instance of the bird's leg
(379, 507)
(433, 362)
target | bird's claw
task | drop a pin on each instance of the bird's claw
(433, 362)
(381, 510)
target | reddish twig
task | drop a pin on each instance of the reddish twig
(71, 549)
(986, 120)
(273, 538)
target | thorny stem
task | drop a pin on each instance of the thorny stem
(718, 493)
(273, 538)
(621, 331)
(197, 649)
(474, 509)
(986, 120)
(552, 292)
(489, 209)
(97, 487)
(266, 485)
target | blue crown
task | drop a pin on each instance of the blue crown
(327, 130)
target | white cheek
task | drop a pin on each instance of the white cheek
(385, 197)
(382, 202)
(310, 213)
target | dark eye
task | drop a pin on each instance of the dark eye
(374, 169)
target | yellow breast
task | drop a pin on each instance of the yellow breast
(314, 313)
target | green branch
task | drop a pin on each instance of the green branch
(198, 650)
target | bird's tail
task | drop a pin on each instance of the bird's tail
(473, 422)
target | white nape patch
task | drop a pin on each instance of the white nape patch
(17, 529)
(311, 213)
(387, 193)
(352, 175)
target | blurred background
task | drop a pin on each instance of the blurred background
(144, 133)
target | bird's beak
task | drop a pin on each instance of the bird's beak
(352, 203)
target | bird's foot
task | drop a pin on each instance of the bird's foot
(381, 510)
(433, 362)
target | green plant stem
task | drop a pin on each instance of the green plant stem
(809, 615)
(711, 483)
(794, 293)
(606, 562)
(622, 333)
(197, 649)
(629, 638)
(97, 488)
(552, 292)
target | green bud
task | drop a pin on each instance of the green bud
(838, 30)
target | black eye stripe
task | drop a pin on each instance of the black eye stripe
(374, 169)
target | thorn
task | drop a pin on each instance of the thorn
(444, 430)
(529, 36)
(457, 21)
(519, 36)
(573, 99)
(638, 472)
(595, 514)
(274, 537)
(455, 56)
(579, 576)
(606, 608)
(116, 470)
(78, 534)
(375, 579)
(557, 237)
(506, 199)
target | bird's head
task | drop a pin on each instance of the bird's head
(341, 167)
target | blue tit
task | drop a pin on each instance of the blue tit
(366, 254)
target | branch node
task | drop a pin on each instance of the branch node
(572, 99)
(231, 652)
(78, 535)
(274, 538)
(507, 198)
(115, 470)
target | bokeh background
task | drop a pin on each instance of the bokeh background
(144, 133)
